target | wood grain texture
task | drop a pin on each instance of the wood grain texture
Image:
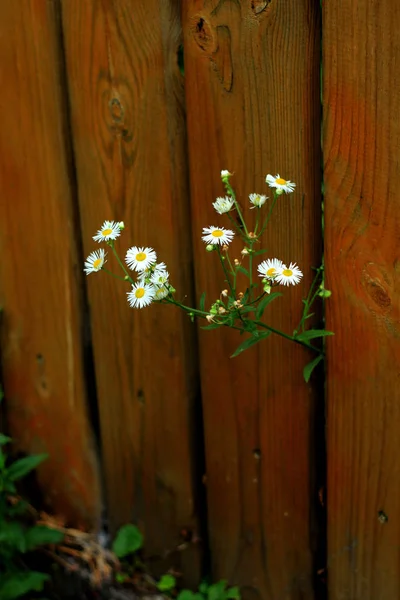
(361, 156)
(127, 106)
(252, 90)
(40, 279)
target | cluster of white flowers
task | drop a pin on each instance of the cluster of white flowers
(152, 282)
(274, 270)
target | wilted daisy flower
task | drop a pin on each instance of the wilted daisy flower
(223, 205)
(95, 261)
(270, 268)
(161, 292)
(217, 235)
(141, 295)
(280, 184)
(138, 259)
(289, 275)
(258, 200)
(110, 230)
(225, 173)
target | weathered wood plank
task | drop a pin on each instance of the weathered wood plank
(127, 105)
(40, 278)
(252, 89)
(361, 156)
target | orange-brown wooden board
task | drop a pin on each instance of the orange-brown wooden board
(127, 110)
(40, 278)
(252, 90)
(361, 96)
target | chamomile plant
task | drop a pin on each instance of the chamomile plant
(238, 307)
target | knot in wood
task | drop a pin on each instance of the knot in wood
(116, 110)
(257, 6)
(202, 33)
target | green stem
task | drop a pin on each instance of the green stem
(113, 274)
(309, 302)
(121, 264)
(269, 214)
(286, 336)
(233, 196)
(257, 220)
(226, 273)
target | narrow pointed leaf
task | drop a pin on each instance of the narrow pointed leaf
(312, 334)
(251, 341)
(264, 303)
(308, 369)
(202, 301)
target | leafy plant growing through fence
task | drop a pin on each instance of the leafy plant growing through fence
(17, 536)
(129, 541)
(239, 310)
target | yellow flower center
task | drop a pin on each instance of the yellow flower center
(106, 232)
(139, 293)
(271, 271)
(280, 181)
(140, 256)
(97, 263)
(287, 272)
(217, 233)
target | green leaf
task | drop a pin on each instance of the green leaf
(216, 590)
(203, 587)
(260, 252)
(166, 583)
(4, 439)
(312, 334)
(202, 301)
(233, 593)
(23, 466)
(308, 369)
(186, 595)
(121, 577)
(212, 326)
(243, 270)
(264, 303)
(20, 583)
(12, 534)
(40, 535)
(251, 341)
(129, 539)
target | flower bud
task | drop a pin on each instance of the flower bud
(244, 251)
(236, 262)
(210, 247)
(279, 192)
(324, 293)
(121, 225)
(267, 288)
(224, 293)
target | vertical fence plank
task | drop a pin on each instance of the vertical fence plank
(361, 145)
(127, 105)
(252, 89)
(41, 337)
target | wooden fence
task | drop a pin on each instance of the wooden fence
(144, 416)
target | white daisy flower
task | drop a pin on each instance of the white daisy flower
(289, 275)
(141, 295)
(217, 235)
(110, 230)
(270, 268)
(138, 259)
(258, 200)
(95, 261)
(159, 267)
(159, 277)
(280, 184)
(161, 292)
(223, 205)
